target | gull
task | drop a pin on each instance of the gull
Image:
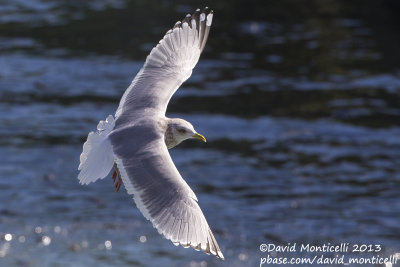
(135, 143)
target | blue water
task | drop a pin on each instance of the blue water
(302, 134)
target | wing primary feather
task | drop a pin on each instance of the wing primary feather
(176, 230)
(191, 230)
(207, 25)
(202, 28)
(168, 40)
(213, 244)
(196, 17)
(205, 228)
(168, 226)
(177, 25)
(184, 233)
(191, 34)
(187, 19)
(180, 215)
(185, 33)
(175, 39)
(167, 45)
(183, 236)
(163, 50)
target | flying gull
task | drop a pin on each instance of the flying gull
(136, 142)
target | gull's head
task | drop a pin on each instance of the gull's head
(179, 130)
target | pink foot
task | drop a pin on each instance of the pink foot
(117, 182)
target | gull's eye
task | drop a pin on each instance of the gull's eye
(182, 130)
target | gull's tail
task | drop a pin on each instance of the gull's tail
(97, 157)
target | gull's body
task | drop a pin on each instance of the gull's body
(136, 143)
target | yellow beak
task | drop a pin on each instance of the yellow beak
(200, 137)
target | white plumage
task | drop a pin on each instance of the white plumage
(97, 157)
(136, 141)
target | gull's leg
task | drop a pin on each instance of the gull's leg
(114, 175)
(118, 183)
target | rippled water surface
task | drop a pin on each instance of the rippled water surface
(299, 101)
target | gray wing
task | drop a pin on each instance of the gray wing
(167, 66)
(159, 191)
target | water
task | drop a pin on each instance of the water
(300, 105)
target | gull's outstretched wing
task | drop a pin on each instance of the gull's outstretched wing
(158, 189)
(168, 65)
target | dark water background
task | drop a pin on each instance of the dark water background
(299, 101)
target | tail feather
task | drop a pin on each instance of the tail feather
(97, 157)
